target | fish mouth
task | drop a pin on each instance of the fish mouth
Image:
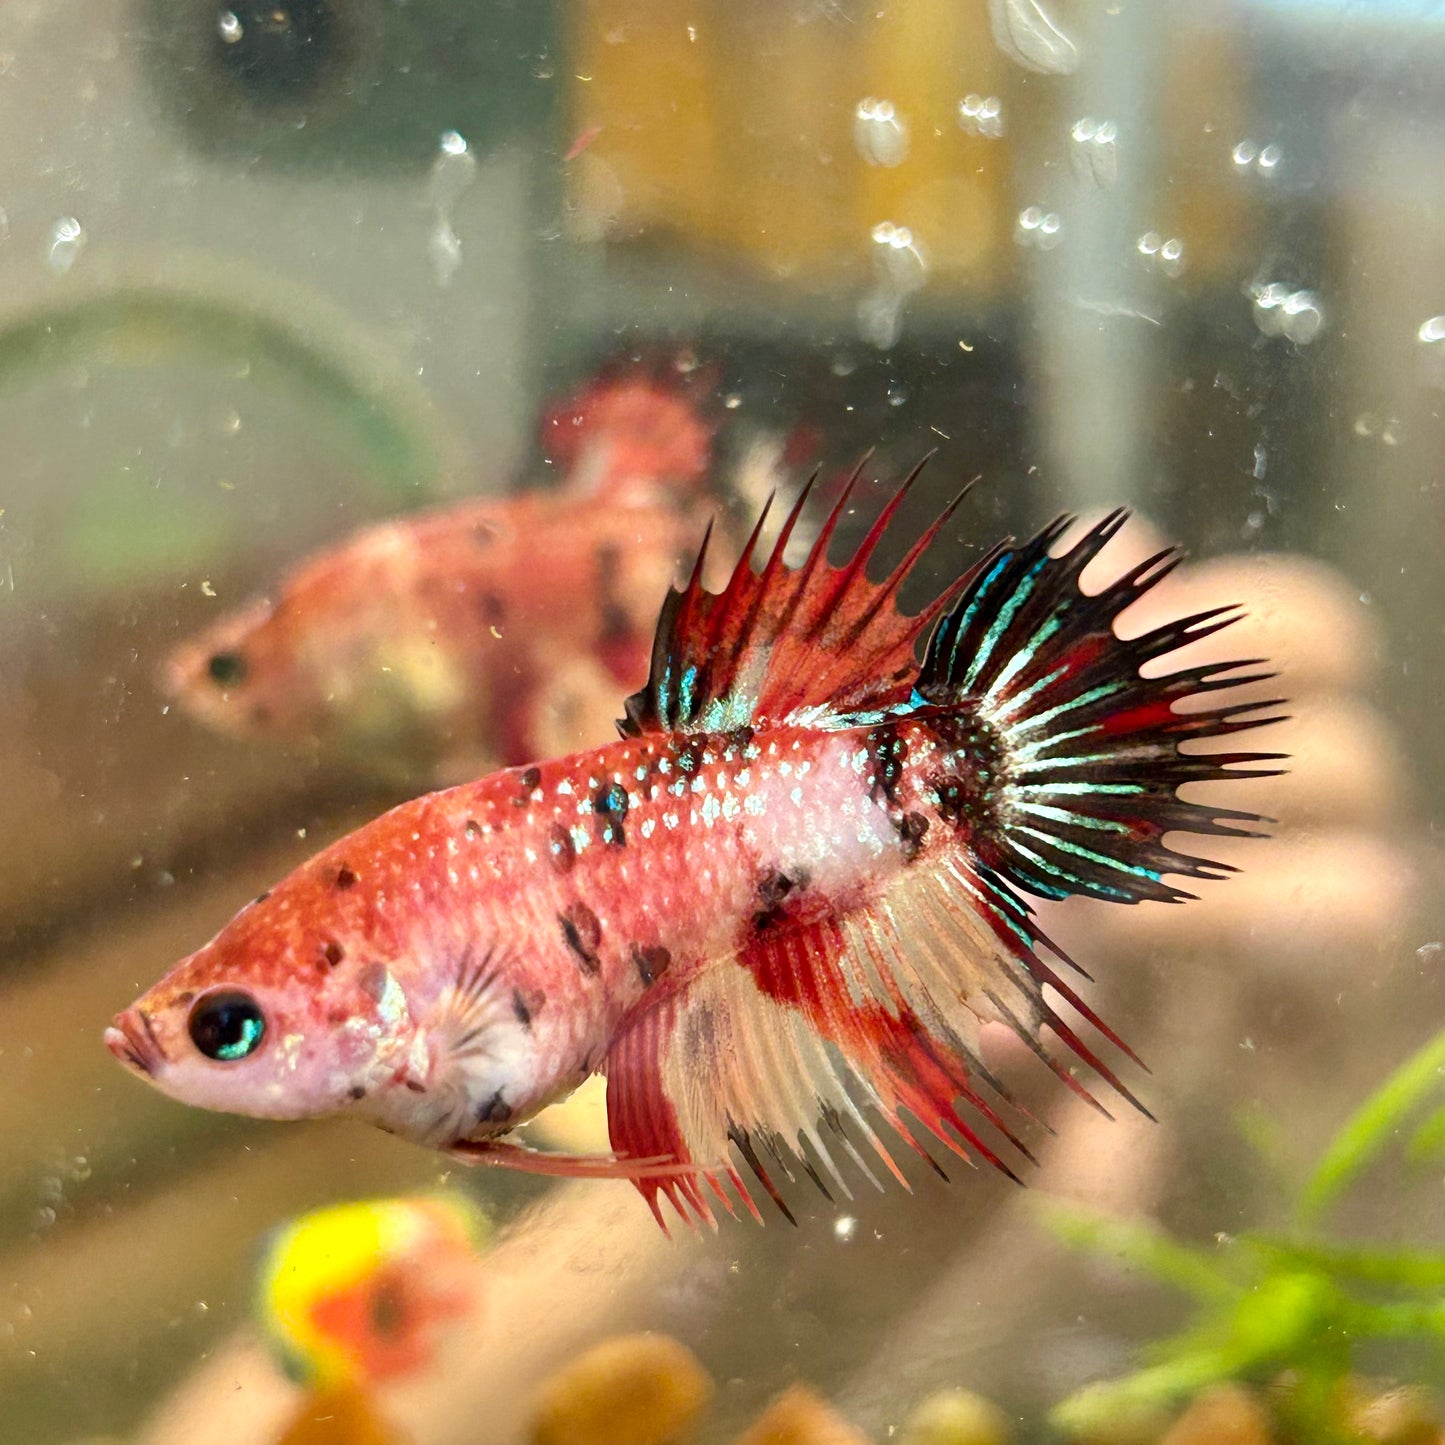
(133, 1041)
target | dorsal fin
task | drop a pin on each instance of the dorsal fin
(777, 643)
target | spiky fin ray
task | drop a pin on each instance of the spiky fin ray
(782, 639)
(1087, 750)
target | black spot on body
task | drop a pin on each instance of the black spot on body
(651, 962)
(493, 609)
(611, 805)
(345, 878)
(889, 752)
(689, 757)
(261, 897)
(773, 890)
(332, 952)
(582, 933)
(912, 829)
(739, 739)
(530, 780)
(495, 1111)
(358, 1091)
(560, 849)
(415, 1085)
(473, 828)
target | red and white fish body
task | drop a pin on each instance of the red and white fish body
(776, 913)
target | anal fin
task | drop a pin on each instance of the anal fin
(797, 1044)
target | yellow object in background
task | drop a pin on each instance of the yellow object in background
(360, 1293)
(736, 127)
(781, 136)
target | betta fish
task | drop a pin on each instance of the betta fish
(776, 913)
(438, 638)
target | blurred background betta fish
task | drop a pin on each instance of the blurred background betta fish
(498, 630)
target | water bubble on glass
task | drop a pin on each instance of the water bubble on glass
(1298, 316)
(228, 24)
(879, 133)
(1431, 337)
(1303, 317)
(981, 115)
(844, 1228)
(1094, 151)
(67, 239)
(1165, 253)
(896, 258)
(452, 172)
(1039, 228)
(1260, 160)
(897, 394)
(1026, 33)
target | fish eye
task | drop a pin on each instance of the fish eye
(227, 668)
(227, 1026)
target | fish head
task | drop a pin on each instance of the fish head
(274, 1017)
(238, 676)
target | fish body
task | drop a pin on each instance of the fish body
(487, 632)
(776, 913)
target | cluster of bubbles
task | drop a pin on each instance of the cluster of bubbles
(981, 115)
(1094, 150)
(879, 133)
(452, 172)
(1041, 229)
(1262, 161)
(1166, 253)
(900, 269)
(64, 244)
(1298, 316)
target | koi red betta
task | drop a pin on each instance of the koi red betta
(775, 914)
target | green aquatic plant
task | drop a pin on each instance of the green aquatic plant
(1296, 1304)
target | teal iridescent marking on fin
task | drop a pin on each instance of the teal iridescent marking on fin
(1000, 715)
(1074, 820)
(1079, 760)
(1000, 624)
(1094, 694)
(1098, 889)
(1026, 654)
(1119, 789)
(1027, 751)
(960, 628)
(1101, 858)
(686, 690)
